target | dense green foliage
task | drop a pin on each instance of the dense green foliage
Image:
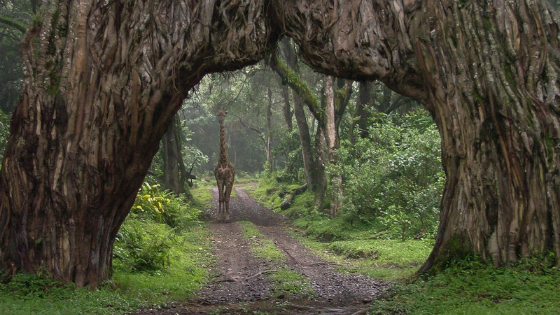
(393, 179)
(29, 294)
(152, 229)
(392, 184)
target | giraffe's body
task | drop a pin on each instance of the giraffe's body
(224, 173)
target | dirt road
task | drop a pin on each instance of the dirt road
(241, 282)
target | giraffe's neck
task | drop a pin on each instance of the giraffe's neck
(223, 153)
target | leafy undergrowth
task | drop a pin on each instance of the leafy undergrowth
(389, 260)
(474, 288)
(29, 294)
(353, 244)
(182, 274)
(161, 256)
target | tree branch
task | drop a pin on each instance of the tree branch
(13, 23)
(300, 87)
(260, 133)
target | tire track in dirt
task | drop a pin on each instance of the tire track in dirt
(330, 284)
(239, 283)
(234, 277)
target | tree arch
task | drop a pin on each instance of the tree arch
(104, 79)
(487, 71)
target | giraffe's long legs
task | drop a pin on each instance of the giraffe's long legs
(226, 199)
(221, 209)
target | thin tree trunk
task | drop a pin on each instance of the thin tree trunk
(174, 172)
(333, 144)
(319, 174)
(363, 107)
(286, 108)
(302, 94)
(305, 141)
(292, 62)
(385, 101)
(269, 130)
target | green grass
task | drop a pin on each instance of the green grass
(28, 294)
(477, 289)
(289, 283)
(384, 259)
(381, 259)
(261, 246)
(202, 194)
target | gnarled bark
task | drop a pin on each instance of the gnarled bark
(102, 83)
(487, 71)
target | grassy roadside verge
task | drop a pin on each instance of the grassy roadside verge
(179, 273)
(469, 287)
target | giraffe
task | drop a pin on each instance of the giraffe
(224, 173)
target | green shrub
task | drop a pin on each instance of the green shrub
(473, 288)
(24, 284)
(152, 228)
(163, 206)
(143, 245)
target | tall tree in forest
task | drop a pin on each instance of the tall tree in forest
(328, 113)
(14, 19)
(102, 81)
(174, 170)
(289, 74)
(363, 107)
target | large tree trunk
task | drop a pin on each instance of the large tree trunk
(102, 82)
(174, 171)
(487, 70)
(494, 93)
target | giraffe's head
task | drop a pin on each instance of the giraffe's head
(221, 116)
